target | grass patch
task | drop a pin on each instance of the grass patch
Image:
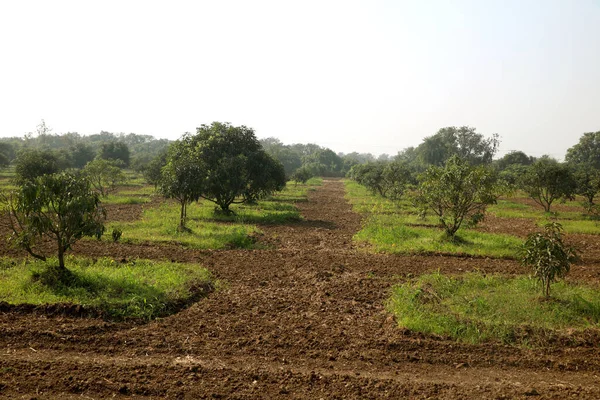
(138, 289)
(392, 234)
(511, 209)
(396, 227)
(210, 230)
(476, 308)
(159, 225)
(134, 178)
(120, 198)
(590, 227)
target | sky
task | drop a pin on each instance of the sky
(366, 76)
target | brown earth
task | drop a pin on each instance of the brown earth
(305, 319)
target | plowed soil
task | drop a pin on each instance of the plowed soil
(305, 319)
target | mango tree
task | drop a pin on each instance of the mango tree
(60, 207)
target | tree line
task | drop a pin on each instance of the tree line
(453, 174)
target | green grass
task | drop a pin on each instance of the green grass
(120, 198)
(510, 209)
(476, 308)
(139, 289)
(210, 230)
(590, 227)
(134, 178)
(391, 234)
(396, 227)
(146, 190)
(575, 221)
(159, 225)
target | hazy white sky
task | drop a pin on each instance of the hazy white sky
(366, 76)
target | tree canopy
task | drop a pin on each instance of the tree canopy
(61, 207)
(457, 191)
(236, 168)
(546, 181)
(463, 141)
(586, 151)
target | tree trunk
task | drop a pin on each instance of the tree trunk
(182, 216)
(61, 256)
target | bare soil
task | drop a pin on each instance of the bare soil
(304, 319)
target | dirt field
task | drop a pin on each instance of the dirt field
(305, 320)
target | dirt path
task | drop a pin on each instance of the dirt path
(306, 320)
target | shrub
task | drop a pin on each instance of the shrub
(548, 255)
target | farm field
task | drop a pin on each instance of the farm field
(301, 313)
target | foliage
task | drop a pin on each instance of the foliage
(586, 151)
(287, 156)
(153, 170)
(32, 163)
(234, 166)
(324, 162)
(388, 179)
(116, 234)
(395, 227)
(457, 191)
(7, 152)
(587, 182)
(478, 307)
(514, 158)
(463, 142)
(115, 150)
(548, 255)
(302, 175)
(62, 207)
(104, 175)
(182, 178)
(547, 180)
(513, 174)
(81, 154)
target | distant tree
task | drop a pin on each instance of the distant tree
(61, 207)
(232, 159)
(266, 175)
(153, 171)
(512, 174)
(104, 175)
(6, 154)
(115, 151)
(457, 192)
(4, 161)
(463, 142)
(301, 175)
(370, 175)
(548, 255)
(324, 162)
(286, 155)
(397, 178)
(514, 158)
(183, 176)
(546, 181)
(586, 151)
(387, 179)
(31, 163)
(383, 157)
(587, 181)
(81, 154)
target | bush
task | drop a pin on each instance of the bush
(549, 257)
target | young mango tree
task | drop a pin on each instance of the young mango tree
(182, 178)
(61, 207)
(548, 255)
(104, 175)
(546, 181)
(457, 192)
